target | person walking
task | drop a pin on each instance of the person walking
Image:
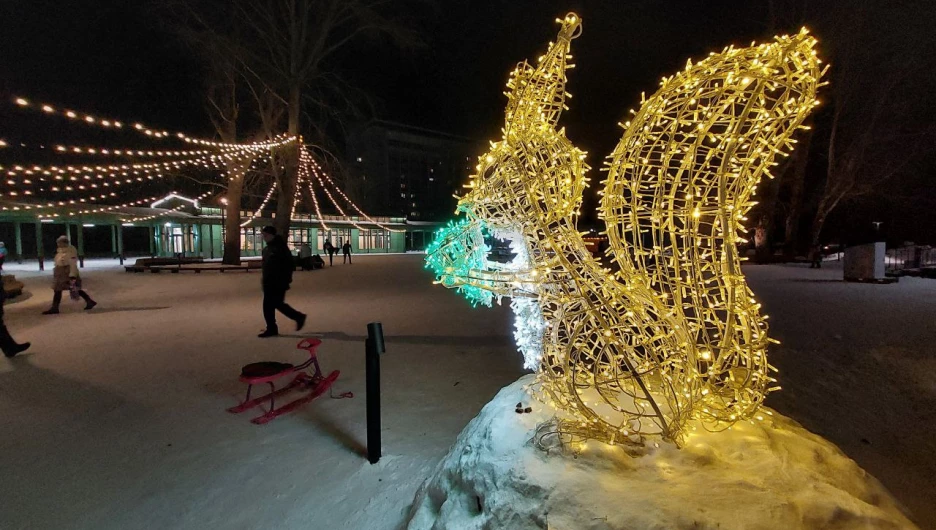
(815, 257)
(330, 250)
(9, 346)
(65, 277)
(277, 270)
(3, 254)
(346, 249)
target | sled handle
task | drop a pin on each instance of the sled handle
(309, 345)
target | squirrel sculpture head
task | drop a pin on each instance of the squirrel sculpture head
(534, 172)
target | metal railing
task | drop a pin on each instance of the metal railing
(909, 257)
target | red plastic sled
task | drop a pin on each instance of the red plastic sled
(313, 384)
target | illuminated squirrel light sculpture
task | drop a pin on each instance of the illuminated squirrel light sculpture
(673, 339)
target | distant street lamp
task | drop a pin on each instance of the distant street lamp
(224, 203)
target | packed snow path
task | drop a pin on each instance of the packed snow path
(115, 419)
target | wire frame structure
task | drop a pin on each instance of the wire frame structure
(674, 340)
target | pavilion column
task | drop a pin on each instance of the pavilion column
(120, 251)
(114, 240)
(211, 240)
(39, 253)
(18, 229)
(152, 239)
(81, 245)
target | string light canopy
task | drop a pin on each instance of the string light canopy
(73, 184)
(674, 340)
(63, 185)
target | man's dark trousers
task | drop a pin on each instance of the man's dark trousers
(273, 301)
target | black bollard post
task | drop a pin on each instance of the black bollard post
(374, 347)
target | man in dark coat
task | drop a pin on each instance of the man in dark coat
(9, 346)
(346, 248)
(330, 250)
(278, 267)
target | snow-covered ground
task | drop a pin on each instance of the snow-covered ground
(766, 474)
(858, 367)
(115, 419)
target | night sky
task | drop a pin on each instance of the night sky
(114, 58)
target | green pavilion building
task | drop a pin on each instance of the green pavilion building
(176, 225)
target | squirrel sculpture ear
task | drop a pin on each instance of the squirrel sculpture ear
(537, 95)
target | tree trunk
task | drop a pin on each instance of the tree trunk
(289, 175)
(232, 229)
(826, 205)
(816, 230)
(765, 223)
(797, 185)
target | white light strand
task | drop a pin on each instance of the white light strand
(163, 214)
(335, 203)
(259, 210)
(318, 211)
(315, 166)
(304, 167)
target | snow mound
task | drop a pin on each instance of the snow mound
(767, 474)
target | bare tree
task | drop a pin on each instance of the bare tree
(795, 178)
(873, 135)
(289, 51)
(783, 16)
(278, 58)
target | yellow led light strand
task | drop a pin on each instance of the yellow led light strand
(208, 161)
(117, 124)
(103, 151)
(102, 209)
(87, 183)
(66, 202)
(282, 140)
(126, 152)
(328, 179)
(674, 339)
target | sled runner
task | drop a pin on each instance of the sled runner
(306, 377)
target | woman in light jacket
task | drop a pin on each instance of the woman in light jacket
(65, 276)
